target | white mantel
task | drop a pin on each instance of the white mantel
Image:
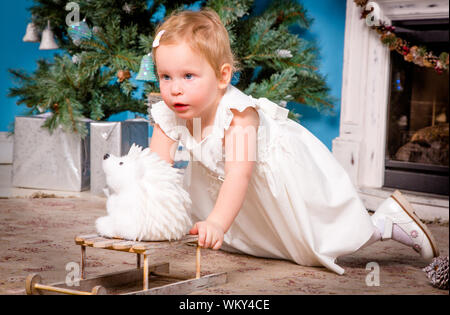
(360, 147)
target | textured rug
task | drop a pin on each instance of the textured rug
(37, 236)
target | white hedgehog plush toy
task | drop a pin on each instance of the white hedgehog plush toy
(146, 199)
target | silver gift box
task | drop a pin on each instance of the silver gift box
(116, 139)
(44, 160)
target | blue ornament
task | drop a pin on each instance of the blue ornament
(196, 6)
(79, 32)
(159, 15)
(147, 70)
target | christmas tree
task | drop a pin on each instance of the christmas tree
(104, 51)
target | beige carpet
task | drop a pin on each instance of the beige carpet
(37, 236)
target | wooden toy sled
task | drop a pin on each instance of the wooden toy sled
(142, 280)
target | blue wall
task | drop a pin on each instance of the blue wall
(15, 54)
(327, 30)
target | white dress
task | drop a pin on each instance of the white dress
(300, 203)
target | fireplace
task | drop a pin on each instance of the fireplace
(365, 146)
(417, 146)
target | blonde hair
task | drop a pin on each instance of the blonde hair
(204, 32)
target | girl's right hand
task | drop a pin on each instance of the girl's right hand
(210, 234)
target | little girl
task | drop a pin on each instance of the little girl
(260, 183)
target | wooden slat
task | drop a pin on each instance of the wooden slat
(106, 243)
(187, 286)
(139, 248)
(197, 262)
(83, 262)
(94, 240)
(91, 241)
(145, 273)
(189, 238)
(65, 290)
(168, 275)
(79, 239)
(143, 246)
(124, 245)
(111, 280)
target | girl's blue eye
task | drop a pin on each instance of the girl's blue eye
(165, 77)
(189, 76)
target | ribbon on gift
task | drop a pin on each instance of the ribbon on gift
(272, 109)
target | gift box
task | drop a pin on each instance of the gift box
(44, 160)
(114, 138)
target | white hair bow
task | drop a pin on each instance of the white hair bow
(157, 38)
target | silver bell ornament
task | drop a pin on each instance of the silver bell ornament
(147, 70)
(32, 34)
(48, 39)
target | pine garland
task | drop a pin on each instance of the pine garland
(418, 55)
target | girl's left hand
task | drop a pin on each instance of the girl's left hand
(210, 234)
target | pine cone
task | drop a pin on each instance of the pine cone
(437, 272)
(123, 75)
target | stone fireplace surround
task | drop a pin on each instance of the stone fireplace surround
(360, 147)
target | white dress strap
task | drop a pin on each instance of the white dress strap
(232, 99)
(272, 109)
(235, 99)
(166, 119)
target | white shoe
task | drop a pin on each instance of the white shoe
(397, 210)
